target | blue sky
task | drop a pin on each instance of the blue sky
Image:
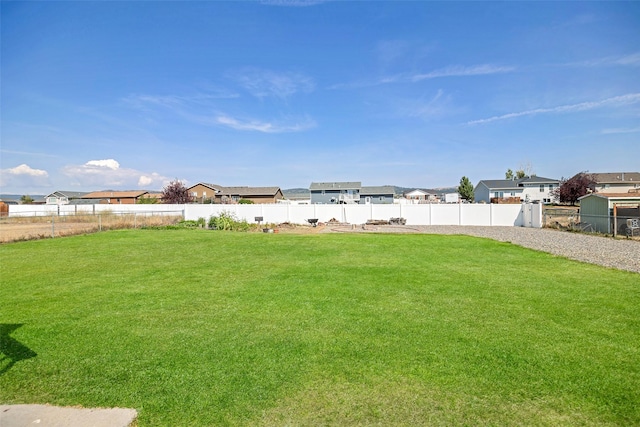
(130, 95)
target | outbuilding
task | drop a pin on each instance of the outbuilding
(606, 212)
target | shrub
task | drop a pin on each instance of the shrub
(228, 221)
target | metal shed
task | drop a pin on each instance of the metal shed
(606, 212)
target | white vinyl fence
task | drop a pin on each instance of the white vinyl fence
(520, 215)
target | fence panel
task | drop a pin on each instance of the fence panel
(528, 215)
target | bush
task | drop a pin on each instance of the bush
(245, 202)
(228, 221)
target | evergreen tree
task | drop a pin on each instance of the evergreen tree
(465, 189)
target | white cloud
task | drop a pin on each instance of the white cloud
(266, 83)
(266, 127)
(632, 60)
(23, 176)
(615, 101)
(108, 163)
(452, 71)
(459, 71)
(620, 131)
(107, 174)
(24, 169)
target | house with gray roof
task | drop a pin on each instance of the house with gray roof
(350, 193)
(382, 194)
(617, 182)
(529, 189)
(63, 197)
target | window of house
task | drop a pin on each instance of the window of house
(541, 188)
(382, 198)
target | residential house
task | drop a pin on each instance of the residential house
(603, 210)
(204, 192)
(383, 194)
(617, 182)
(212, 193)
(335, 192)
(63, 197)
(350, 193)
(528, 189)
(420, 196)
(115, 197)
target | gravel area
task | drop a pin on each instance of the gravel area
(622, 254)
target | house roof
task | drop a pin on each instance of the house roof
(537, 180)
(68, 194)
(375, 190)
(250, 191)
(335, 185)
(111, 194)
(499, 183)
(215, 187)
(616, 177)
(516, 183)
(620, 196)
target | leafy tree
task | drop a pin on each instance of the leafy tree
(519, 174)
(508, 174)
(465, 189)
(570, 190)
(147, 200)
(176, 193)
(26, 200)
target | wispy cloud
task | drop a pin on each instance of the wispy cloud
(620, 131)
(459, 71)
(630, 60)
(173, 101)
(615, 101)
(265, 127)
(267, 83)
(451, 71)
(436, 106)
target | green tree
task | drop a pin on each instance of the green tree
(26, 200)
(465, 189)
(508, 174)
(147, 200)
(520, 173)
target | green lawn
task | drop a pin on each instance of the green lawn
(195, 327)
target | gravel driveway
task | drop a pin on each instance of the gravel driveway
(623, 254)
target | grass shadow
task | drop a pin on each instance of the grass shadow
(12, 351)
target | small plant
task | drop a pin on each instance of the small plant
(245, 202)
(228, 221)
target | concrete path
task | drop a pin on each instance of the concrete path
(55, 416)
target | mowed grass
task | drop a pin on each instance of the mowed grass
(194, 327)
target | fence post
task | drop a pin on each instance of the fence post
(99, 222)
(53, 227)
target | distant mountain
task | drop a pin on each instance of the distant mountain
(17, 197)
